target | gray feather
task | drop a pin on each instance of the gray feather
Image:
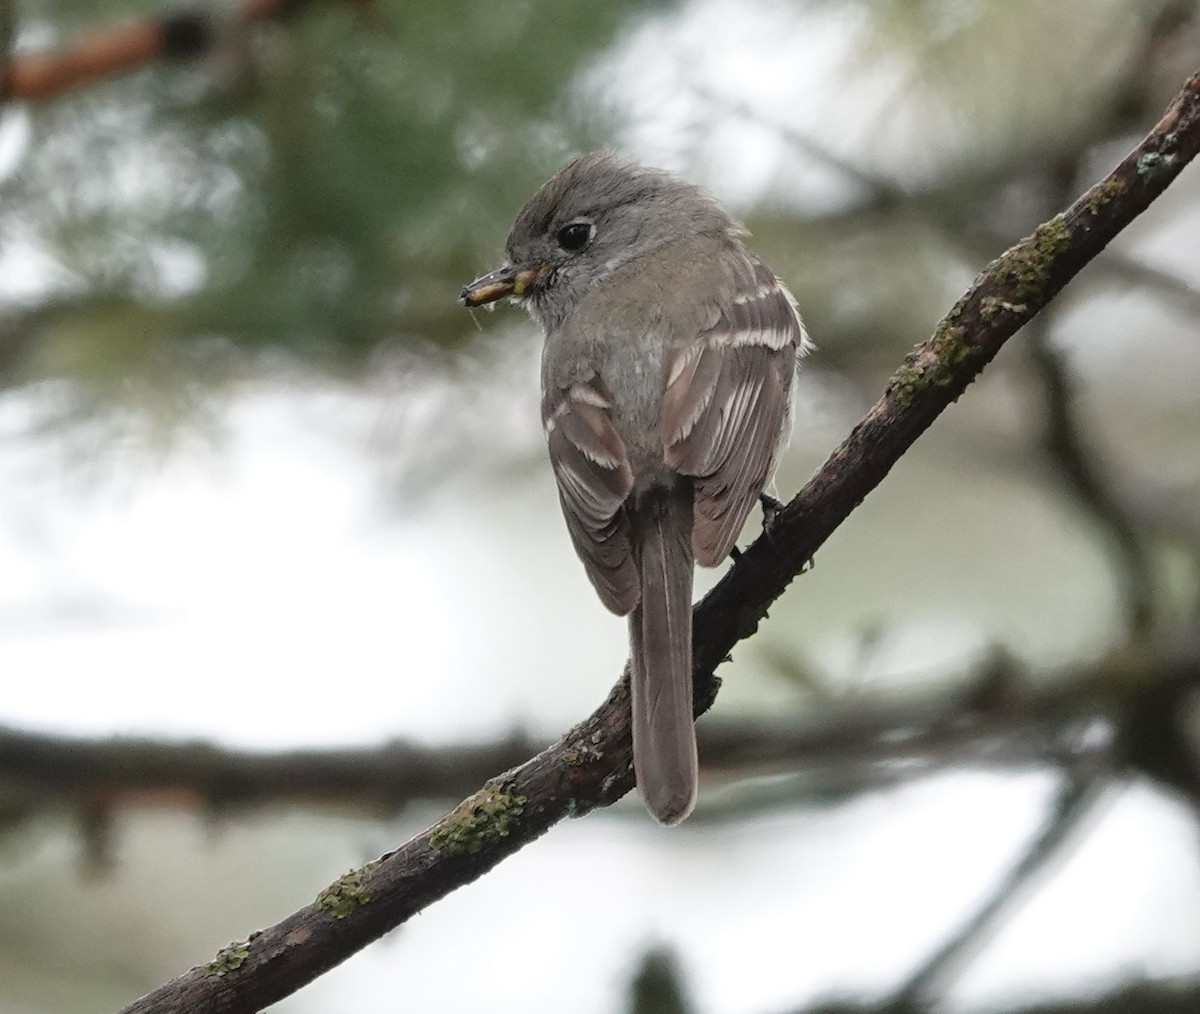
(660, 641)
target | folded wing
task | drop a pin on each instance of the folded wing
(725, 411)
(594, 479)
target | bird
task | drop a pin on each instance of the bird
(668, 371)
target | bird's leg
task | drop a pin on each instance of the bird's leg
(770, 508)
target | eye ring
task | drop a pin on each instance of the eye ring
(575, 235)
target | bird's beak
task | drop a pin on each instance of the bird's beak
(506, 280)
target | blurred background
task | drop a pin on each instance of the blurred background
(282, 572)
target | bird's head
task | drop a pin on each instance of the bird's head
(594, 215)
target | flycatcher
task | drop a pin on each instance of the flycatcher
(667, 377)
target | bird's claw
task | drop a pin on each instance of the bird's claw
(770, 510)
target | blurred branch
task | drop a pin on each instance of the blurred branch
(1168, 22)
(590, 766)
(178, 33)
(1152, 741)
(64, 770)
(1000, 716)
(8, 31)
(1183, 293)
(1156, 737)
(881, 193)
(658, 986)
(1157, 997)
(1076, 464)
(21, 328)
(1076, 800)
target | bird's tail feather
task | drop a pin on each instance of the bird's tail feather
(660, 636)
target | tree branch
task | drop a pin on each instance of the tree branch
(590, 766)
(178, 33)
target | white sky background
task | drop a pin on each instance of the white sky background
(265, 589)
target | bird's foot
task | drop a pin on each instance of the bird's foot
(770, 510)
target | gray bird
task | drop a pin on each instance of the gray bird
(667, 377)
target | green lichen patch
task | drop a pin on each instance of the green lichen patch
(229, 958)
(489, 815)
(584, 749)
(991, 306)
(1018, 279)
(950, 351)
(1024, 270)
(1101, 194)
(344, 895)
(907, 382)
(953, 351)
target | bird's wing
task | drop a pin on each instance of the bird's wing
(594, 478)
(725, 410)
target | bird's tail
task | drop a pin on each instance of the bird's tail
(660, 639)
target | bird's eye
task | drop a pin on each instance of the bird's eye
(574, 236)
